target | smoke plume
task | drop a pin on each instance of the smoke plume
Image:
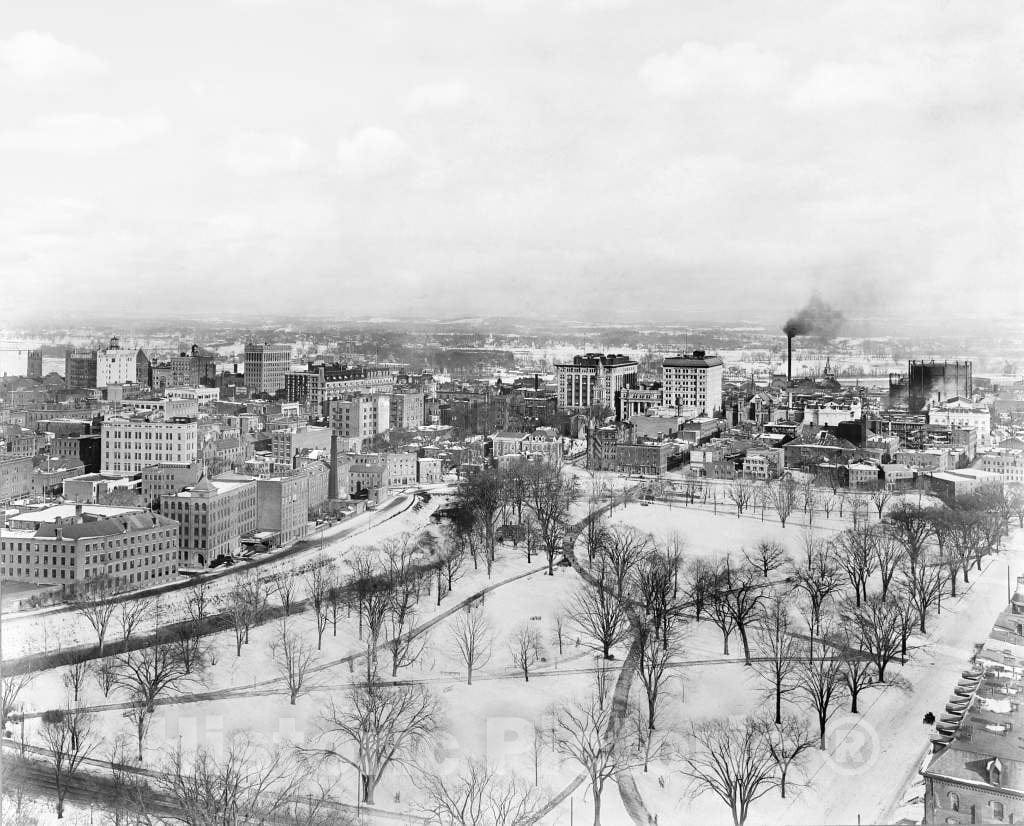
(816, 319)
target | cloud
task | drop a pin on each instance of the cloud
(844, 84)
(85, 133)
(699, 68)
(372, 152)
(38, 58)
(447, 95)
(262, 153)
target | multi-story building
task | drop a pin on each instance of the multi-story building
(360, 416)
(21, 361)
(1007, 462)
(266, 366)
(406, 410)
(965, 414)
(401, 469)
(85, 446)
(971, 775)
(214, 515)
(636, 401)
(48, 478)
(428, 471)
(287, 442)
(15, 477)
(166, 479)
(70, 545)
(693, 381)
(282, 506)
(80, 368)
(116, 365)
(92, 487)
(193, 368)
(129, 445)
(593, 380)
(202, 396)
(321, 383)
(543, 443)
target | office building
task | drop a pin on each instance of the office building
(193, 368)
(116, 365)
(166, 479)
(287, 442)
(129, 445)
(693, 381)
(80, 369)
(593, 381)
(265, 367)
(322, 383)
(282, 506)
(360, 416)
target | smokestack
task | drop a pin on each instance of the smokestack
(789, 358)
(536, 381)
(332, 475)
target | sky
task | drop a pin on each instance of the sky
(599, 159)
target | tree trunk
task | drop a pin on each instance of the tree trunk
(821, 735)
(782, 784)
(294, 693)
(725, 644)
(597, 805)
(746, 645)
(778, 717)
(368, 788)
(853, 702)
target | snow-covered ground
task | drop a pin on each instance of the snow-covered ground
(868, 770)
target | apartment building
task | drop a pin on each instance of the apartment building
(693, 380)
(287, 442)
(69, 545)
(213, 514)
(322, 383)
(129, 445)
(168, 478)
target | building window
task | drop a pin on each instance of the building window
(954, 801)
(998, 811)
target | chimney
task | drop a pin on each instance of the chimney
(332, 474)
(789, 358)
(78, 514)
(536, 381)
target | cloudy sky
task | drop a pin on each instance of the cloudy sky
(595, 158)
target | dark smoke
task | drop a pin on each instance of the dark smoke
(816, 319)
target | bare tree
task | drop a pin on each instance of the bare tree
(94, 603)
(477, 795)
(788, 742)
(318, 587)
(855, 552)
(378, 725)
(473, 638)
(74, 679)
(11, 687)
(146, 675)
(880, 497)
(599, 617)
(784, 498)
(526, 647)
(69, 737)
(582, 734)
(875, 625)
(922, 586)
(731, 758)
(652, 741)
(286, 585)
(817, 574)
(741, 494)
(779, 650)
(294, 658)
(622, 550)
(550, 496)
(858, 671)
(701, 581)
(658, 646)
(820, 684)
(131, 612)
(722, 616)
(767, 556)
(105, 673)
(827, 499)
(889, 554)
(912, 527)
(558, 631)
(244, 782)
(742, 596)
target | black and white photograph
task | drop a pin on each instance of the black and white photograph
(511, 412)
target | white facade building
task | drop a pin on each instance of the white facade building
(115, 365)
(129, 445)
(592, 380)
(1009, 464)
(694, 380)
(965, 414)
